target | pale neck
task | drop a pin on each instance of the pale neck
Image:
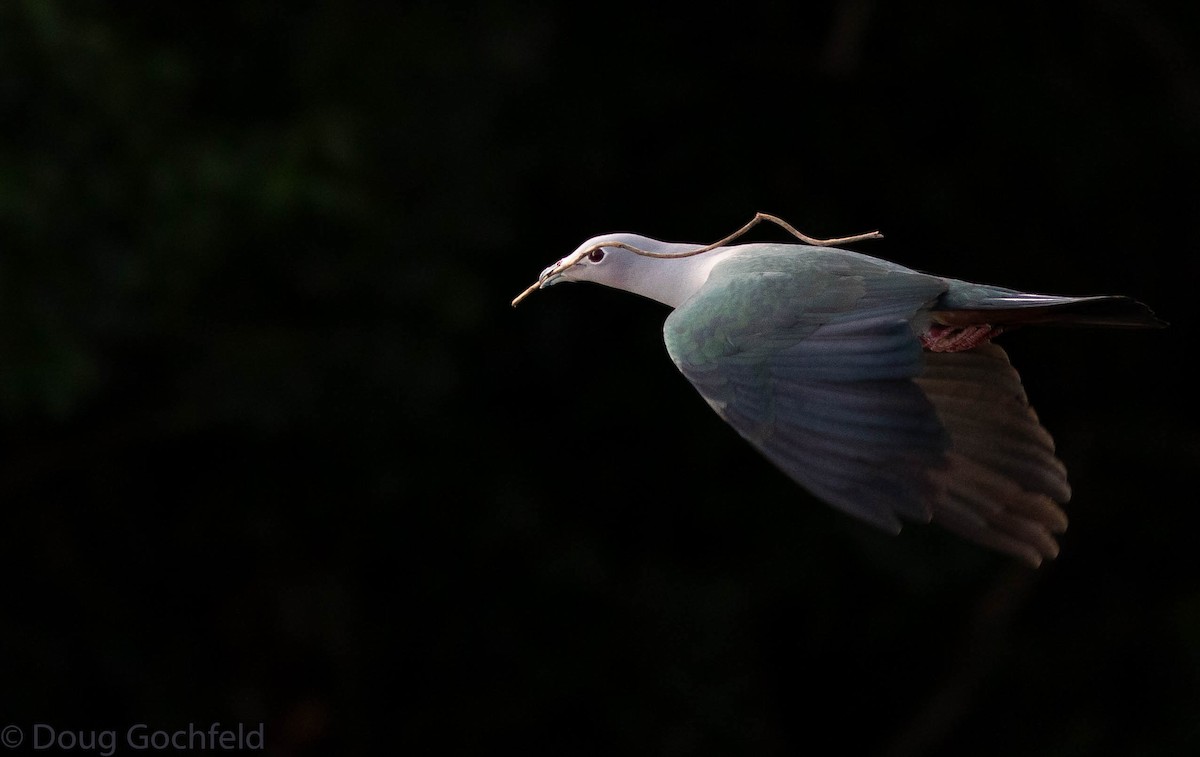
(672, 281)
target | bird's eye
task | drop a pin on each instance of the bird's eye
(596, 255)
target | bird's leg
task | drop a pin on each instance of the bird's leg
(940, 338)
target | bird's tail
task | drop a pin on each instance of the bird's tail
(968, 304)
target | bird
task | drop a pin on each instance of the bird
(876, 387)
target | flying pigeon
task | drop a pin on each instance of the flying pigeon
(875, 387)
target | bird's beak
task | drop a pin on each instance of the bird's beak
(549, 277)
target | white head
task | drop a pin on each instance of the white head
(665, 271)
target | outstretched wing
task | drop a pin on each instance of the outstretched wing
(811, 355)
(1003, 482)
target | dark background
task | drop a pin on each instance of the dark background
(276, 449)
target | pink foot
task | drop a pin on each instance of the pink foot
(957, 338)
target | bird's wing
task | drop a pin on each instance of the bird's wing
(1002, 482)
(811, 355)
